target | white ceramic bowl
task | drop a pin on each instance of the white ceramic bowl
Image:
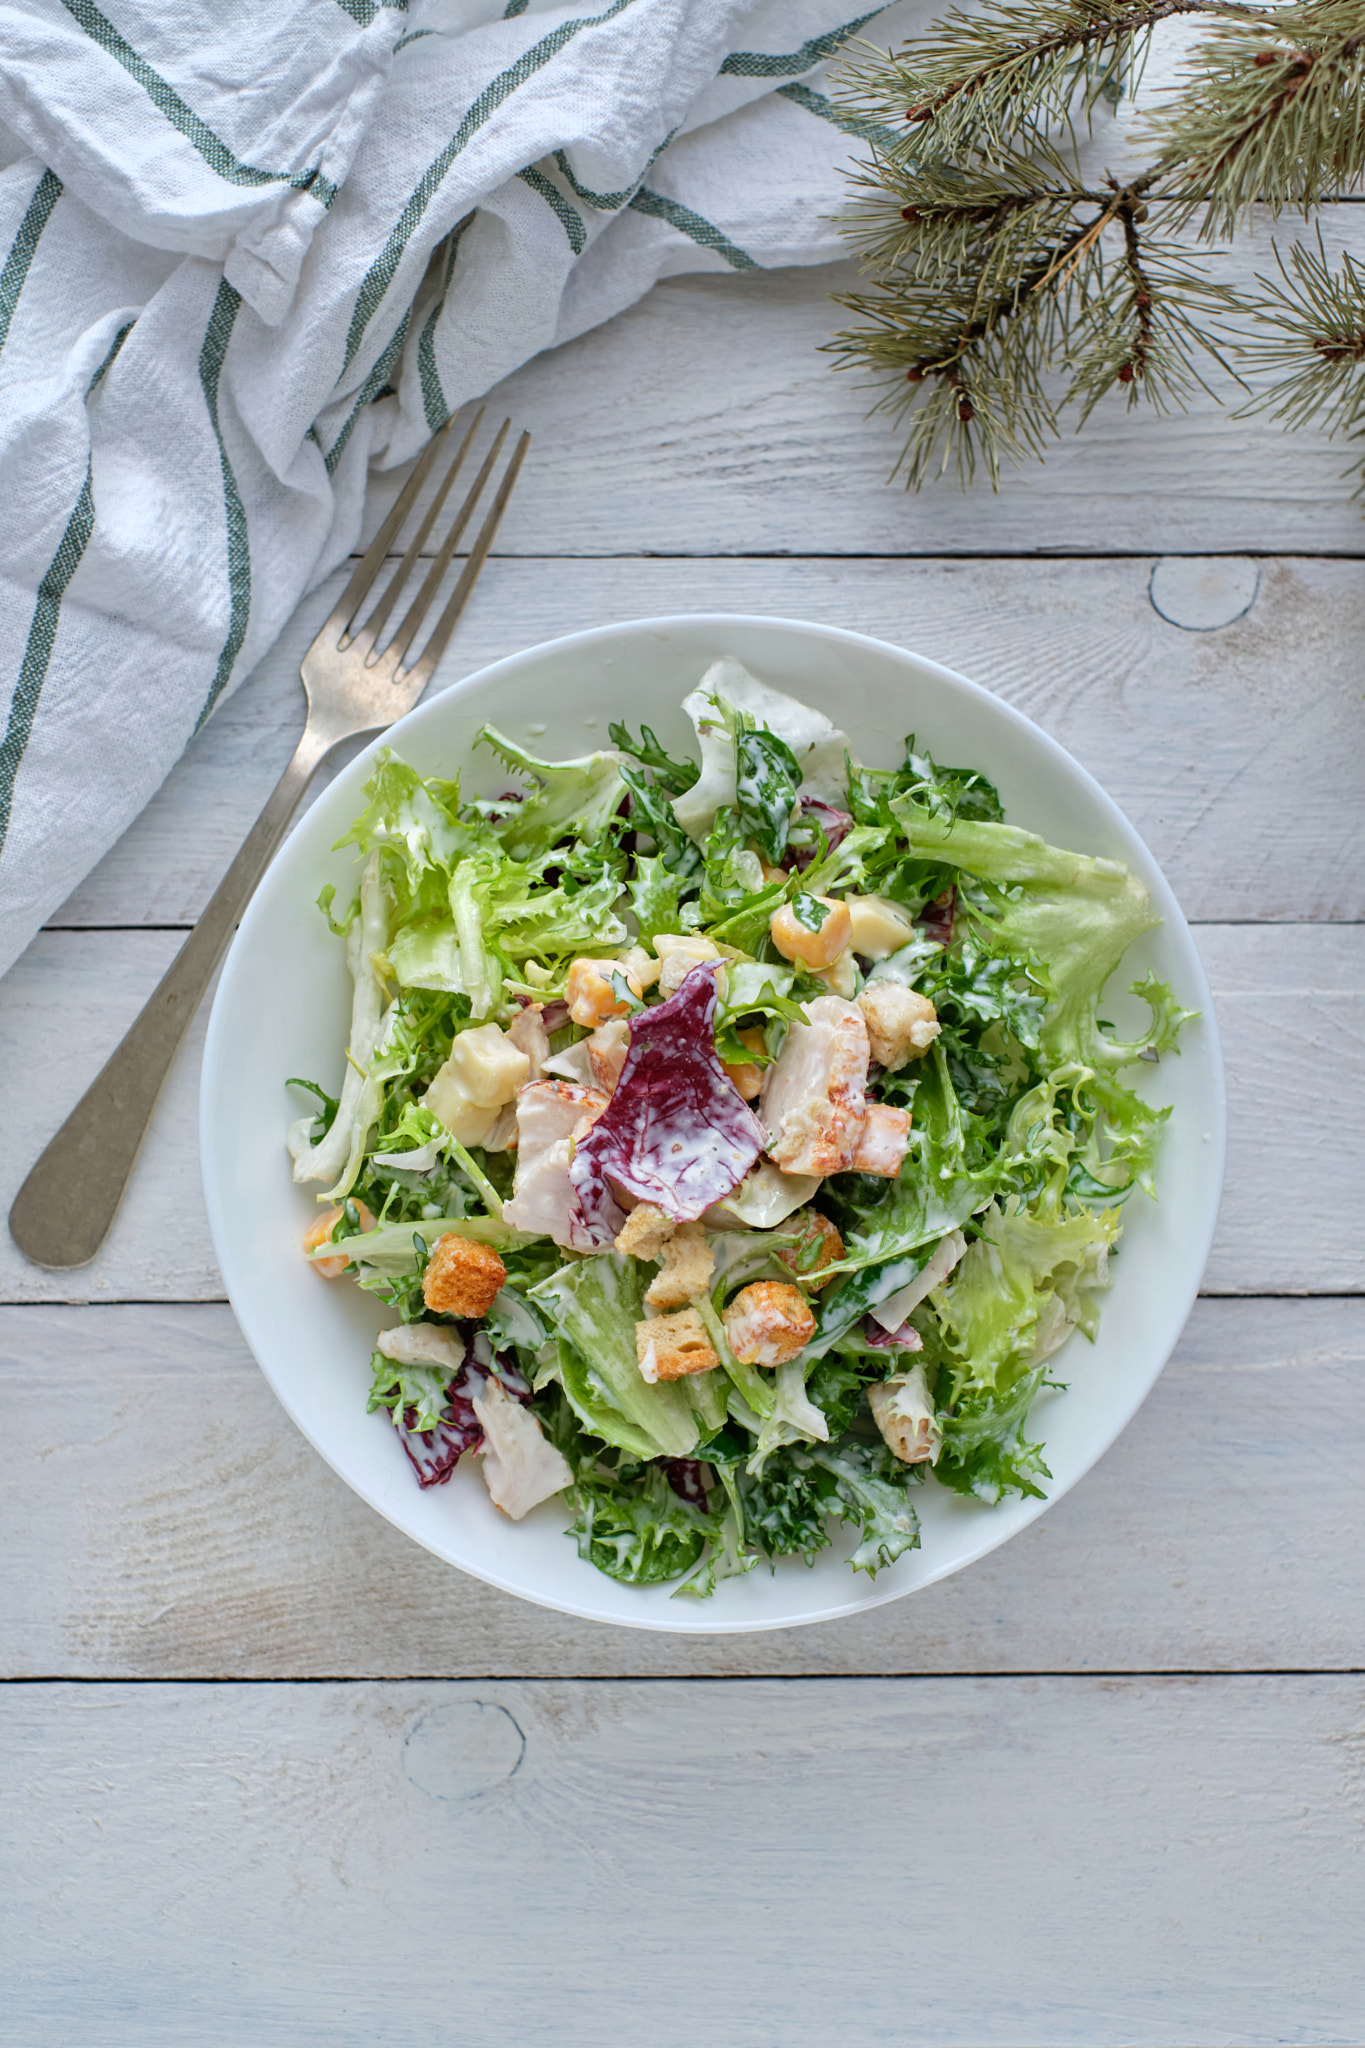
(283, 1006)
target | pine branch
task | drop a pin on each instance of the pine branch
(1311, 328)
(983, 76)
(972, 345)
(1146, 326)
(995, 263)
(1274, 113)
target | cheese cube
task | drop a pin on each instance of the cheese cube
(467, 1121)
(679, 953)
(486, 1066)
(880, 927)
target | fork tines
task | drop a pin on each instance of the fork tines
(362, 642)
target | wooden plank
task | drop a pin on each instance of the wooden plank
(1197, 735)
(981, 1861)
(161, 1517)
(1291, 1020)
(705, 420)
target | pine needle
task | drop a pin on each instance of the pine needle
(998, 273)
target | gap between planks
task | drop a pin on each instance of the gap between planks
(1091, 1674)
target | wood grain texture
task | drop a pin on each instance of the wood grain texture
(958, 1861)
(161, 1517)
(706, 421)
(1195, 734)
(1291, 1006)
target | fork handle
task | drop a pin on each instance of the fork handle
(62, 1213)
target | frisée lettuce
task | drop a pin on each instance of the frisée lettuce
(739, 1139)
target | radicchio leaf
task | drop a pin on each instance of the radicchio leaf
(676, 1132)
(936, 919)
(835, 825)
(906, 1338)
(434, 1453)
(684, 1475)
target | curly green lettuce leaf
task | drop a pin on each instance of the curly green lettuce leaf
(767, 782)
(656, 895)
(575, 799)
(984, 1451)
(786, 1506)
(753, 993)
(595, 1304)
(1076, 914)
(417, 824)
(651, 812)
(949, 1173)
(997, 1306)
(497, 915)
(397, 1388)
(671, 776)
(631, 1524)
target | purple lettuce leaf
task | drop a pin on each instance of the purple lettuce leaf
(676, 1132)
(434, 1453)
(835, 824)
(906, 1338)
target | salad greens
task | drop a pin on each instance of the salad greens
(689, 1106)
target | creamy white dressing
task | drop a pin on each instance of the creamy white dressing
(904, 966)
(420, 1160)
(818, 745)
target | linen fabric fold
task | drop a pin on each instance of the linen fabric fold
(247, 254)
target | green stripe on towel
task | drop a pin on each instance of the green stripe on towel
(852, 124)
(38, 651)
(369, 391)
(37, 214)
(168, 102)
(570, 219)
(789, 63)
(217, 335)
(609, 202)
(381, 272)
(693, 226)
(433, 397)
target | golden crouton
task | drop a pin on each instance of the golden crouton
(321, 1233)
(819, 1247)
(688, 1265)
(645, 1232)
(670, 1347)
(462, 1277)
(901, 1023)
(768, 1322)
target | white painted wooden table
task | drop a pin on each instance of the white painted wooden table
(277, 1776)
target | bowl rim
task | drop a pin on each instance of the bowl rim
(702, 1621)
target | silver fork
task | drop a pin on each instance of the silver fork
(62, 1213)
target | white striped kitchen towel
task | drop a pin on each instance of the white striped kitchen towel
(217, 231)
